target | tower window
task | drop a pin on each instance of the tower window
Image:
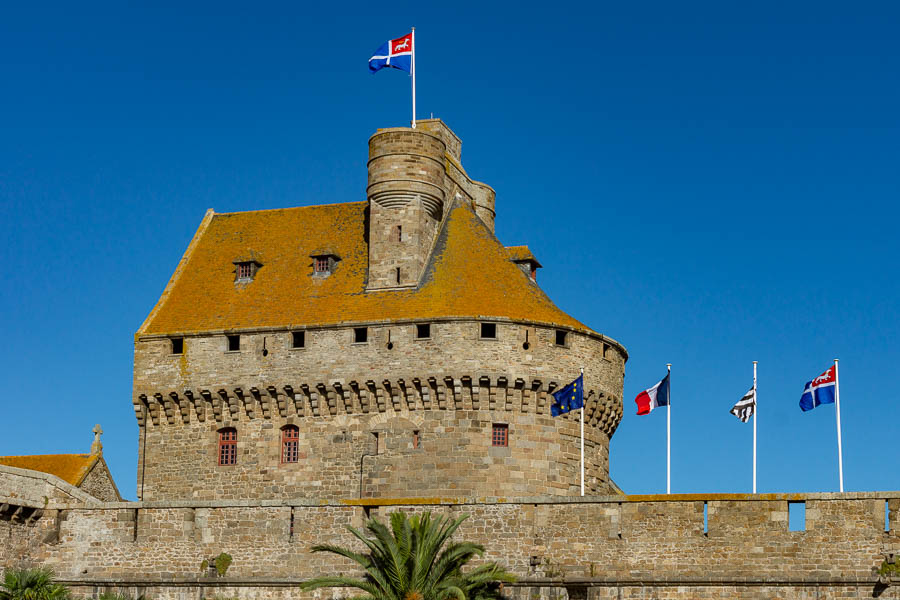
(423, 331)
(298, 339)
(561, 337)
(398, 233)
(489, 331)
(398, 275)
(234, 343)
(360, 335)
(415, 439)
(290, 444)
(228, 446)
(500, 434)
(178, 345)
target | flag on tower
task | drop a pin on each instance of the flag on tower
(394, 53)
(746, 406)
(819, 391)
(654, 397)
(569, 398)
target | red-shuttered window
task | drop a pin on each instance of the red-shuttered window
(290, 444)
(228, 446)
(500, 435)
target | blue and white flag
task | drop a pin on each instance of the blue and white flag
(819, 391)
(569, 398)
(394, 53)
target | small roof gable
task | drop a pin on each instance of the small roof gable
(521, 254)
(71, 468)
(470, 274)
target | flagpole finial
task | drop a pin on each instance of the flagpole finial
(755, 361)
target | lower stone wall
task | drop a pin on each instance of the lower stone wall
(584, 549)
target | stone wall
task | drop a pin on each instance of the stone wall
(340, 394)
(99, 483)
(592, 548)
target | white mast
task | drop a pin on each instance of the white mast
(755, 411)
(669, 431)
(582, 430)
(413, 73)
(837, 401)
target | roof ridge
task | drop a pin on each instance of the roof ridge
(289, 208)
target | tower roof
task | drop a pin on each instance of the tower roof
(470, 274)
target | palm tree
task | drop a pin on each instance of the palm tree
(410, 561)
(31, 584)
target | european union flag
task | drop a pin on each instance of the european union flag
(569, 398)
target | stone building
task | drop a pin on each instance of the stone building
(386, 348)
(308, 368)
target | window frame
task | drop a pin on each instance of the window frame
(290, 444)
(427, 329)
(229, 443)
(177, 347)
(302, 338)
(365, 335)
(481, 329)
(229, 337)
(500, 435)
(565, 338)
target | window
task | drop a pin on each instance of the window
(360, 335)
(178, 345)
(560, 337)
(376, 442)
(234, 343)
(605, 350)
(298, 339)
(415, 439)
(290, 444)
(423, 331)
(321, 264)
(488, 331)
(398, 233)
(398, 275)
(500, 435)
(245, 270)
(228, 446)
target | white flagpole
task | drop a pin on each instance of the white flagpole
(755, 411)
(582, 431)
(837, 401)
(413, 67)
(669, 432)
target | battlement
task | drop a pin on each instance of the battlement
(601, 543)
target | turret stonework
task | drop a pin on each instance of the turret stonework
(396, 365)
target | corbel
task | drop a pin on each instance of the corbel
(503, 400)
(452, 389)
(228, 401)
(214, 406)
(344, 394)
(262, 401)
(538, 395)
(391, 393)
(357, 396)
(198, 404)
(182, 407)
(278, 400)
(408, 399)
(466, 383)
(139, 412)
(483, 393)
(247, 401)
(519, 385)
(437, 393)
(167, 408)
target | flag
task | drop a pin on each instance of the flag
(818, 391)
(746, 406)
(394, 53)
(656, 396)
(569, 398)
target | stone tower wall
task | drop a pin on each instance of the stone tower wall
(592, 548)
(450, 388)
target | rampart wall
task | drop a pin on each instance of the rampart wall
(450, 388)
(591, 548)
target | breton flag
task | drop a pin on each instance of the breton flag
(394, 53)
(819, 391)
(746, 406)
(654, 397)
(569, 398)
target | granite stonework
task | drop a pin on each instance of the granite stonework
(341, 394)
(612, 547)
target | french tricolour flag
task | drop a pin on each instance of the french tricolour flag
(656, 396)
(394, 53)
(819, 391)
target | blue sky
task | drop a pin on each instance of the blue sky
(709, 184)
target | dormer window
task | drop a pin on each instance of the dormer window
(324, 264)
(245, 270)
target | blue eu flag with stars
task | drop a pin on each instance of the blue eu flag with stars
(569, 398)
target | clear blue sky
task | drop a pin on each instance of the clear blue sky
(710, 184)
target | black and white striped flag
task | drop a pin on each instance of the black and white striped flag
(745, 407)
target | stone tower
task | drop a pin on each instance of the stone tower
(385, 348)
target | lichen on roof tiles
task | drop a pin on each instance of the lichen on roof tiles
(470, 274)
(71, 468)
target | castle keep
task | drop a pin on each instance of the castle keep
(387, 348)
(308, 368)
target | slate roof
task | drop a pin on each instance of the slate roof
(71, 468)
(470, 274)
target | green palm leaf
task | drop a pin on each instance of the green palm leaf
(412, 560)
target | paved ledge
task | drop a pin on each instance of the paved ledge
(487, 500)
(532, 582)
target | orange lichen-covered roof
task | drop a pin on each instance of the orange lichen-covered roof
(469, 274)
(71, 468)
